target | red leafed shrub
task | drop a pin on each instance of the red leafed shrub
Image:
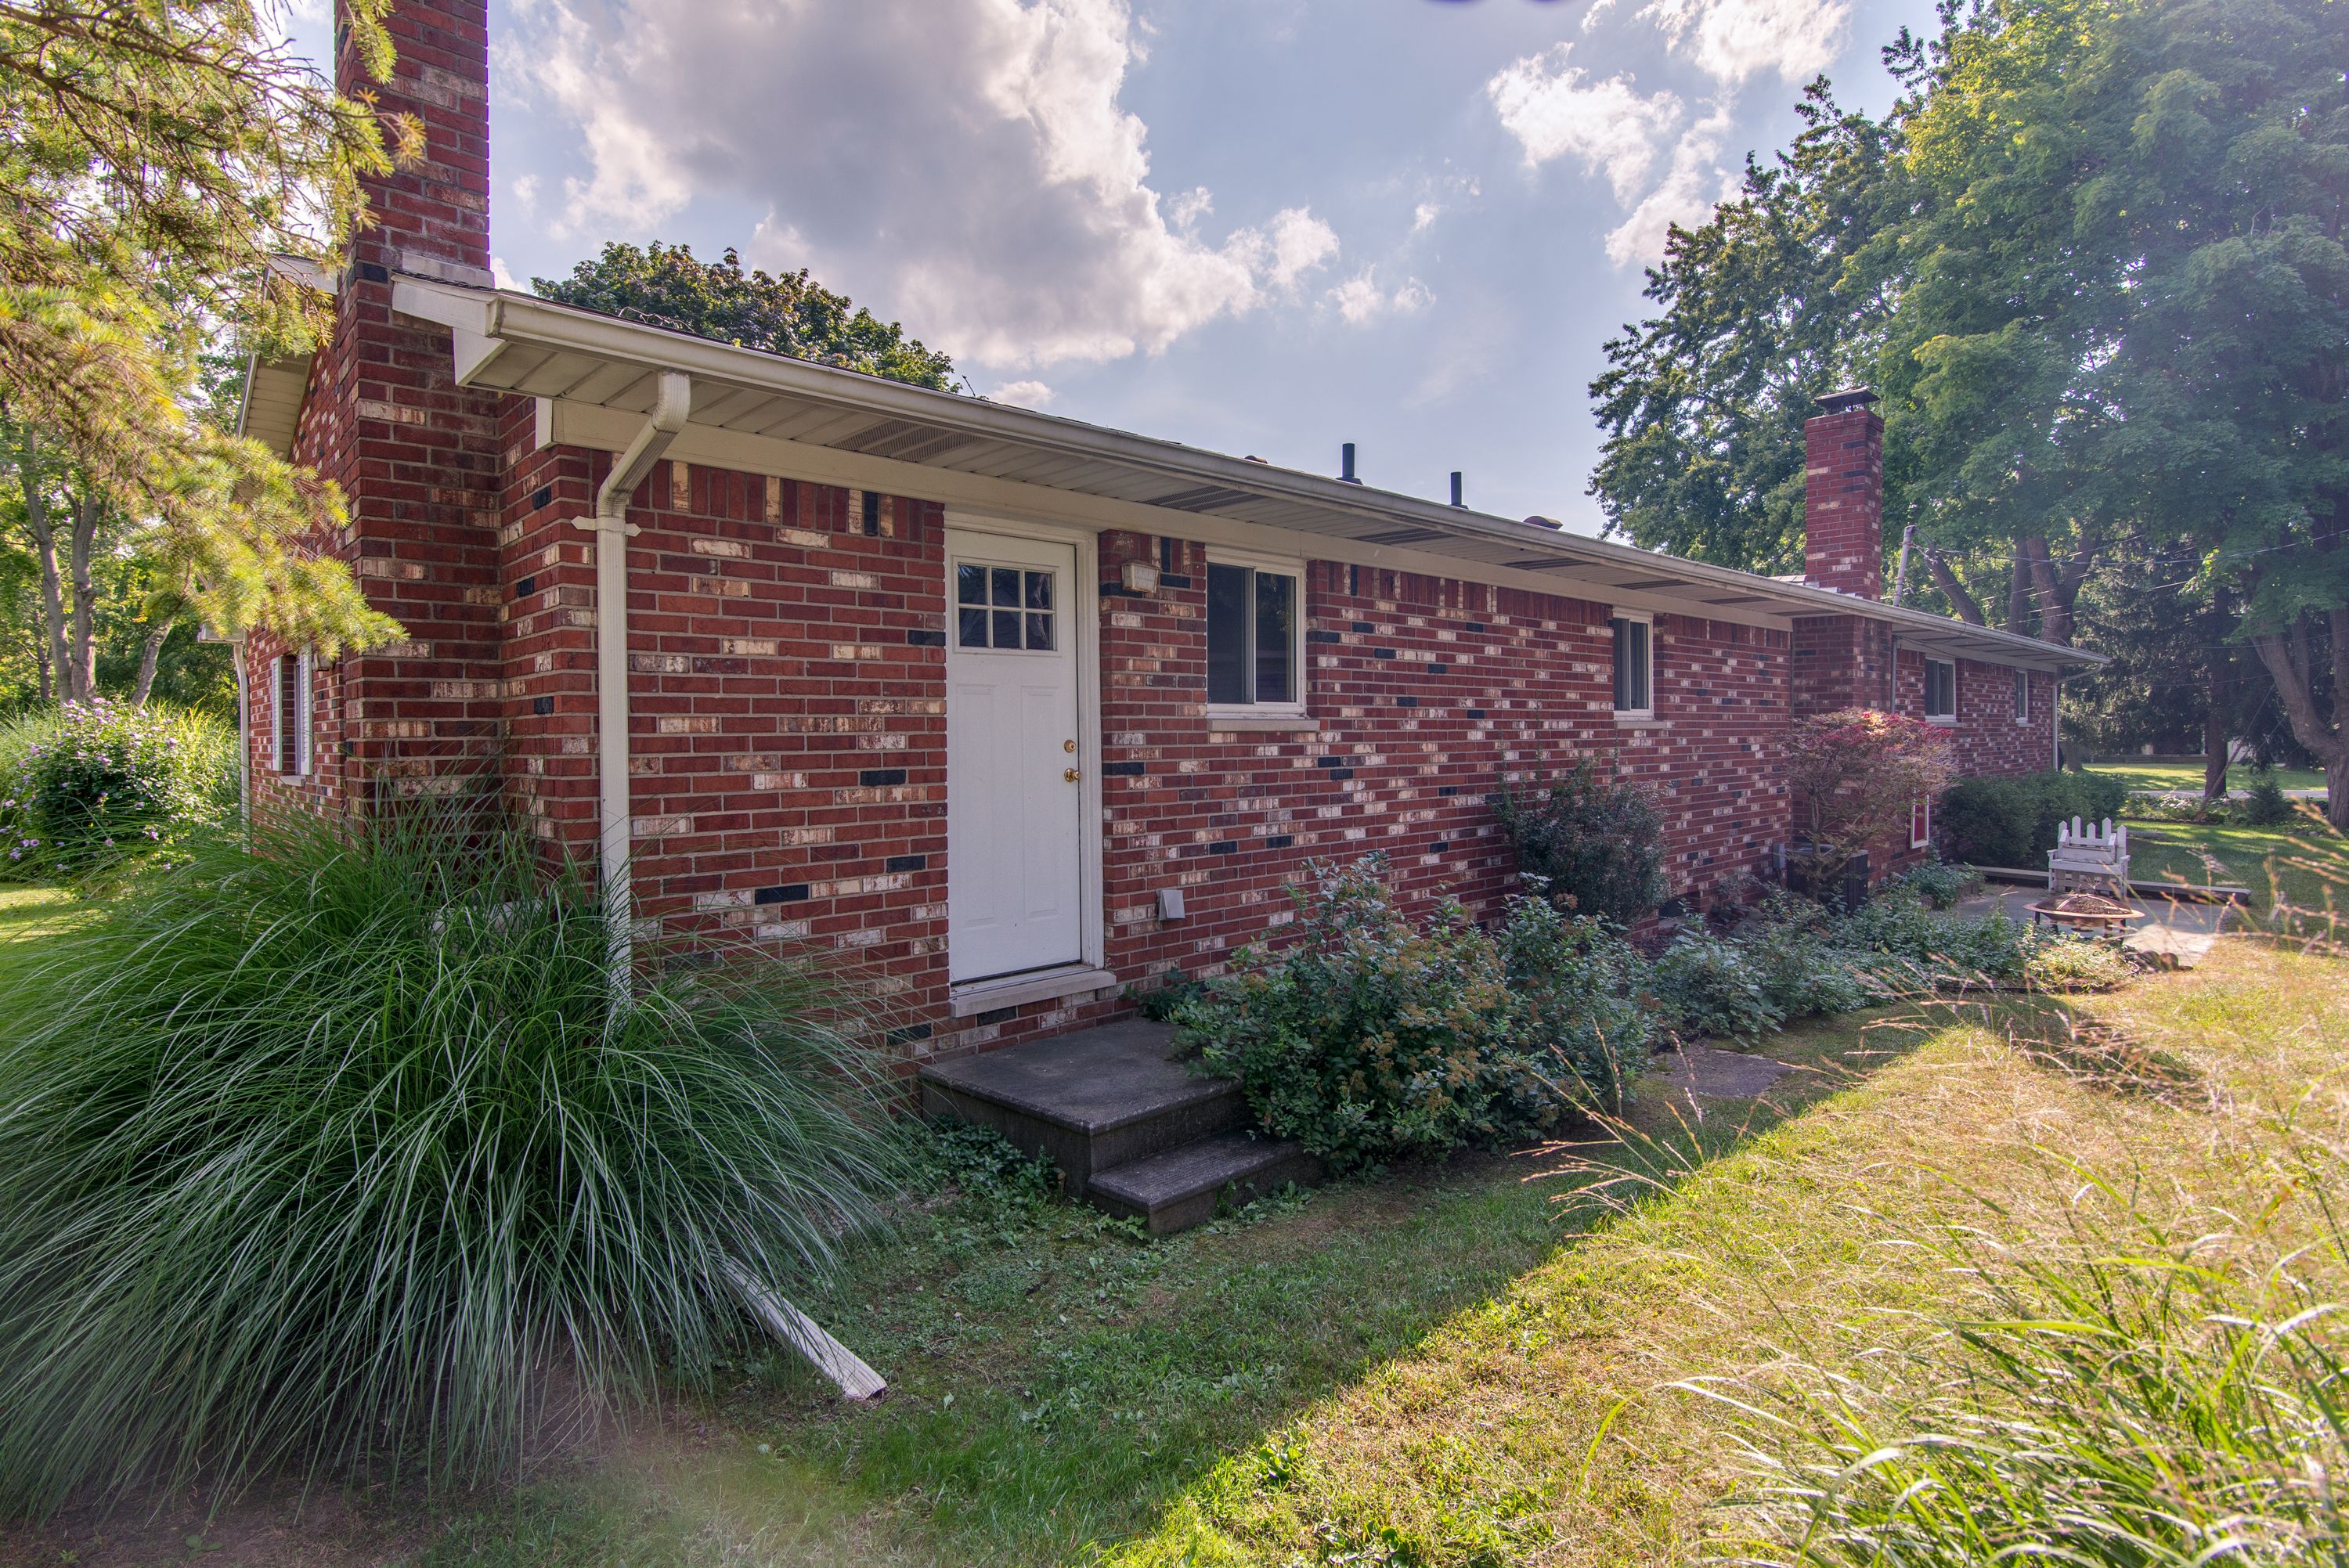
(1857, 774)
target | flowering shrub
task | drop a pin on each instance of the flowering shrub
(1376, 1036)
(1857, 774)
(86, 788)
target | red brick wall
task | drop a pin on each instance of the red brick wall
(787, 692)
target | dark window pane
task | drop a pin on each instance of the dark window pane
(973, 627)
(1276, 637)
(1227, 633)
(1006, 587)
(1039, 590)
(1643, 685)
(1622, 664)
(1039, 631)
(1006, 629)
(970, 584)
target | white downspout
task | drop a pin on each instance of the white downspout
(613, 530)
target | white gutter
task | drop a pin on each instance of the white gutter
(612, 530)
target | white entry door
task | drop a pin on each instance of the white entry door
(1014, 799)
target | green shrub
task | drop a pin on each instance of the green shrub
(1705, 985)
(340, 1153)
(88, 788)
(1800, 973)
(2268, 806)
(1906, 948)
(1932, 883)
(2011, 821)
(1591, 843)
(1375, 1037)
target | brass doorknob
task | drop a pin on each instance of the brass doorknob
(1068, 746)
(1071, 774)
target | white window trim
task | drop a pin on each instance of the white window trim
(1278, 566)
(2023, 716)
(297, 725)
(1949, 717)
(1646, 618)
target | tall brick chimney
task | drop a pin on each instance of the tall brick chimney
(1842, 495)
(432, 215)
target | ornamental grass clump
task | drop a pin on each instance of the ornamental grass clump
(1376, 1036)
(342, 1155)
(2149, 1392)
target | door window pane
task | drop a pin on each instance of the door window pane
(1228, 591)
(970, 584)
(1276, 637)
(1006, 587)
(971, 626)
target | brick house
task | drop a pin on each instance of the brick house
(1010, 709)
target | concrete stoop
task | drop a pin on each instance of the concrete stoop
(1131, 1129)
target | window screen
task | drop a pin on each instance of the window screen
(1252, 624)
(1634, 667)
(1940, 689)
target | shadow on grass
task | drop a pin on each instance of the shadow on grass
(1058, 1383)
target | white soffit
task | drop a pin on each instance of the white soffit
(596, 377)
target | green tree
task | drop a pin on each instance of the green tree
(152, 157)
(668, 285)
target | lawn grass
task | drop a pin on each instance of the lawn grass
(2188, 775)
(1447, 1365)
(2298, 875)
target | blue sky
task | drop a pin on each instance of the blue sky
(1260, 226)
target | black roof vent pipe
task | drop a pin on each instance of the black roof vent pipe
(1346, 464)
(1456, 489)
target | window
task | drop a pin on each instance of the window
(1942, 690)
(2022, 697)
(1635, 671)
(1005, 608)
(289, 712)
(1256, 635)
(1920, 823)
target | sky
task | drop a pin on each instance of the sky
(1263, 227)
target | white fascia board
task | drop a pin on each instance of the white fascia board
(594, 428)
(494, 313)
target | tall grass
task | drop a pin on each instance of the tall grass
(337, 1156)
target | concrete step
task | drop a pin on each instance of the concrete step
(1092, 1100)
(1183, 1187)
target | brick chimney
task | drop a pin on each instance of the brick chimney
(1842, 495)
(432, 215)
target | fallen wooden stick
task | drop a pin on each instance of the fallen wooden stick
(796, 1328)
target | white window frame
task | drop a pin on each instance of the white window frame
(296, 726)
(1921, 824)
(1952, 716)
(1637, 618)
(2022, 697)
(1289, 566)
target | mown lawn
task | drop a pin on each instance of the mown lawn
(1449, 1366)
(2301, 870)
(2188, 775)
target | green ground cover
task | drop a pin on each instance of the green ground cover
(1447, 1364)
(2188, 775)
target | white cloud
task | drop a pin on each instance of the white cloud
(1360, 300)
(1424, 215)
(967, 168)
(1687, 194)
(1730, 40)
(1021, 394)
(502, 275)
(525, 195)
(1555, 109)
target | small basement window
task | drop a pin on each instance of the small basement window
(1635, 667)
(289, 714)
(1255, 637)
(2022, 697)
(1942, 690)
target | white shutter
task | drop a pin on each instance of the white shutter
(302, 724)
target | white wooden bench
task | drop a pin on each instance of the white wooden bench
(2089, 857)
